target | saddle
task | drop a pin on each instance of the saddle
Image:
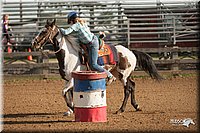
(107, 57)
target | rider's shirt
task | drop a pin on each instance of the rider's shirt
(82, 31)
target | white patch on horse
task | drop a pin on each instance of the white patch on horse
(131, 59)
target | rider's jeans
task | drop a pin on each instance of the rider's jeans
(93, 56)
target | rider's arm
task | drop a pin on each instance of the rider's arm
(74, 27)
(66, 31)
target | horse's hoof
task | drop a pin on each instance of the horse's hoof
(68, 113)
(138, 109)
(119, 112)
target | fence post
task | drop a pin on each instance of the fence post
(175, 47)
(174, 30)
(128, 33)
(120, 21)
(20, 6)
(41, 59)
(92, 17)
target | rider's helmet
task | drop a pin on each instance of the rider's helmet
(71, 16)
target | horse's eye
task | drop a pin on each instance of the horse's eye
(44, 31)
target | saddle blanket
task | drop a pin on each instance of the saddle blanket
(107, 55)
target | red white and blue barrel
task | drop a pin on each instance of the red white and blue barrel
(89, 96)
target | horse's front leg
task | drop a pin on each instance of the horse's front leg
(68, 96)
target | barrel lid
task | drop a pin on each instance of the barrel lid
(88, 75)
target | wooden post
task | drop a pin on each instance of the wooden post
(120, 21)
(92, 18)
(161, 17)
(39, 58)
(45, 70)
(174, 30)
(175, 47)
(20, 6)
(128, 33)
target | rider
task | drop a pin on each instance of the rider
(86, 37)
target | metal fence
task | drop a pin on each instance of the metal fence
(166, 31)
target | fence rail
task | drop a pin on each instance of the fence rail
(169, 28)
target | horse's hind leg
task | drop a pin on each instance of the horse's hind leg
(126, 95)
(129, 88)
(133, 102)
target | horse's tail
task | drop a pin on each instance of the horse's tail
(145, 62)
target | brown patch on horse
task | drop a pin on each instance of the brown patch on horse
(123, 62)
(60, 57)
(84, 60)
(109, 67)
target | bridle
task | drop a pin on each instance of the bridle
(49, 37)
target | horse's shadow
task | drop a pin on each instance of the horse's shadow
(30, 117)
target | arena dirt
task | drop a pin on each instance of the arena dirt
(35, 103)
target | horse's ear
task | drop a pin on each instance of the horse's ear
(54, 22)
(47, 22)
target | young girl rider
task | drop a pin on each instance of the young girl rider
(86, 37)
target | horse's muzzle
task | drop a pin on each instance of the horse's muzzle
(34, 44)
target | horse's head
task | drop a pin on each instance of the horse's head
(47, 34)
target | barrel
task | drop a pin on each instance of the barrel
(89, 96)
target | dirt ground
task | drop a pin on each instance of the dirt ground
(35, 103)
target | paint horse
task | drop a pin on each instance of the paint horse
(67, 53)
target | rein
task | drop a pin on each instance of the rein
(60, 47)
(50, 38)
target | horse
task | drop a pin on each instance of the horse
(67, 48)
(187, 122)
